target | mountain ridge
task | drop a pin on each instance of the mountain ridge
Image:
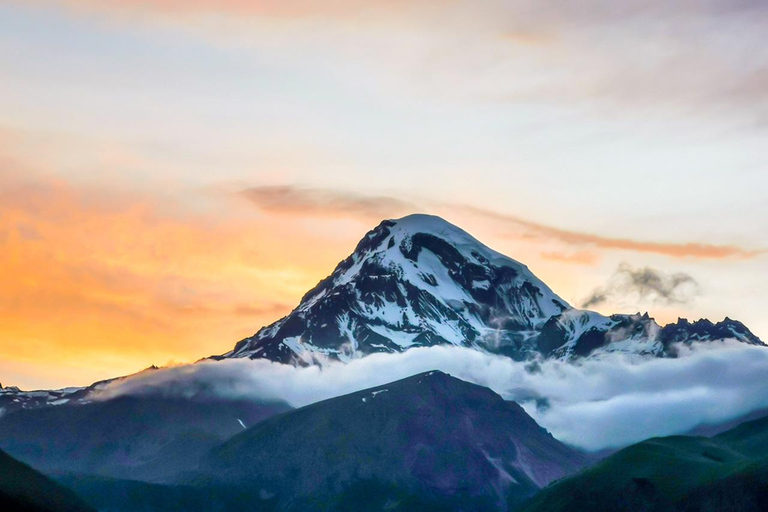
(140, 437)
(727, 472)
(421, 281)
(416, 281)
(430, 435)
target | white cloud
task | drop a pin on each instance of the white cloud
(597, 404)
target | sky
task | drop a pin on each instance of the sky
(175, 175)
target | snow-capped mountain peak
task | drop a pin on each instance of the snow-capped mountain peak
(421, 281)
(414, 281)
(578, 333)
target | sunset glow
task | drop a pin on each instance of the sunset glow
(171, 180)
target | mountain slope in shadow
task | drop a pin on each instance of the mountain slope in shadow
(428, 439)
(136, 437)
(427, 442)
(23, 489)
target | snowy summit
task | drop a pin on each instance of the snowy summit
(421, 281)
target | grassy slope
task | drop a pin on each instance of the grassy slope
(728, 472)
(115, 495)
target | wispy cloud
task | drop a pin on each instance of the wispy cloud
(575, 238)
(257, 8)
(295, 200)
(645, 284)
(313, 201)
(579, 257)
(600, 49)
(596, 11)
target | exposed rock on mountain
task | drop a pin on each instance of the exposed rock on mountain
(421, 281)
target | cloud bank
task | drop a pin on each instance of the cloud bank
(597, 404)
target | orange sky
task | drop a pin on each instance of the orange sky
(104, 283)
(175, 175)
(98, 282)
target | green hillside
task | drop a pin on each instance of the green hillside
(727, 472)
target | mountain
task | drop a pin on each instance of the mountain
(704, 330)
(13, 399)
(430, 440)
(416, 281)
(728, 472)
(120, 495)
(421, 281)
(23, 489)
(139, 437)
(577, 333)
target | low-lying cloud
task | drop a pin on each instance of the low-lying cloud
(596, 404)
(645, 283)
